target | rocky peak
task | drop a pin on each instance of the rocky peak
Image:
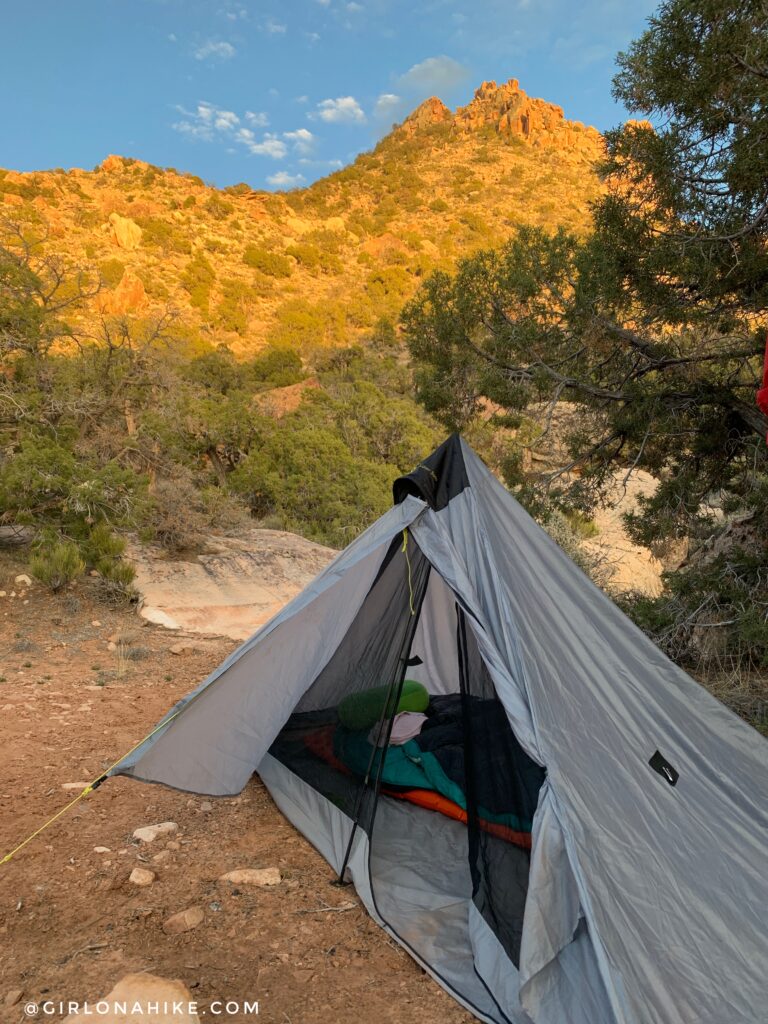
(431, 111)
(514, 114)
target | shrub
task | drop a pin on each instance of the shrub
(197, 279)
(270, 263)
(56, 563)
(217, 207)
(111, 272)
(162, 235)
(301, 324)
(233, 309)
(276, 367)
(314, 259)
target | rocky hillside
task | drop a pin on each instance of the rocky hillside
(322, 264)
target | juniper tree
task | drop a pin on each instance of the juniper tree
(652, 326)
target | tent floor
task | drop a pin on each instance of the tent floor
(418, 880)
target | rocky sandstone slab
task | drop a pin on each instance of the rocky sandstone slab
(232, 589)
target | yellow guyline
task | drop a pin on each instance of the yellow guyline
(94, 784)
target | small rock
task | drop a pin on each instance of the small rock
(149, 833)
(253, 876)
(95, 622)
(111, 646)
(13, 997)
(23, 578)
(101, 849)
(141, 876)
(184, 921)
(74, 785)
(3, 593)
(143, 995)
(160, 857)
(206, 805)
(94, 572)
(172, 845)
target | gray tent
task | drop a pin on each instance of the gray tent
(595, 851)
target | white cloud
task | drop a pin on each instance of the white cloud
(324, 3)
(275, 28)
(387, 106)
(216, 50)
(354, 8)
(206, 120)
(313, 37)
(302, 99)
(282, 179)
(172, 37)
(342, 109)
(257, 118)
(209, 123)
(270, 146)
(334, 164)
(433, 75)
(303, 140)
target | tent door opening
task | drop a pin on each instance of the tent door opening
(446, 815)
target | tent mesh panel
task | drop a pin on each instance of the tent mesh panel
(371, 655)
(499, 776)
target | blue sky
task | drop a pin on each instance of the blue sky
(278, 94)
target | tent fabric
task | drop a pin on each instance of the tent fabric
(641, 902)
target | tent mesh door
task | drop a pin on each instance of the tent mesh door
(502, 786)
(371, 658)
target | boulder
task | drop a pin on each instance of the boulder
(125, 233)
(128, 296)
(146, 999)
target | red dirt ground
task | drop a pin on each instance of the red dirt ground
(71, 924)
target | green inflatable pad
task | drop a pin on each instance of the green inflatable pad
(362, 710)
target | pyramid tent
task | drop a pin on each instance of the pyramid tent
(576, 835)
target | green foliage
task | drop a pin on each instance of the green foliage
(56, 563)
(198, 278)
(275, 367)
(111, 272)
(304, 325)
(235, 305)
(307, 478)
(270, 263)
(217, 207)
(314, 259)
(161, 234)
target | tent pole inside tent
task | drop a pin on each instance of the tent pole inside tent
(387, 715)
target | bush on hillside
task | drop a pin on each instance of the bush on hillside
(270, 263)
(198, 278)
(111, 272)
